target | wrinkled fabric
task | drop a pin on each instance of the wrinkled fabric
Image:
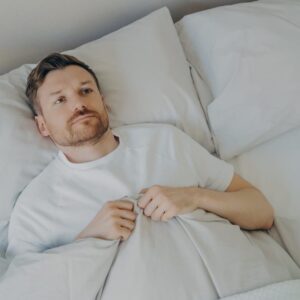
(192, 256)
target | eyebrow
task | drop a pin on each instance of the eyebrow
(81, 84)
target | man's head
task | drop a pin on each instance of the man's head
(67, 101)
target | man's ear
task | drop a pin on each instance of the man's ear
(41, 125)
(108, 108)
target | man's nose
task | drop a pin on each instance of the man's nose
(78, 103)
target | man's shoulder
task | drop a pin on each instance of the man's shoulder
(145, 134)
(42, 181)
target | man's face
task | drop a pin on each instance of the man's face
(72, 109)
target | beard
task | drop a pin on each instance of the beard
(83, 132)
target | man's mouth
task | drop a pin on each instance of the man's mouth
(80, 118)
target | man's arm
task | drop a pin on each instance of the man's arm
(242, 204)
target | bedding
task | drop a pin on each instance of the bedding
(248, 54)
(145, 76)
(257, 261)
(282, 290)
(94, 268)
(24, 154)
(204, 93)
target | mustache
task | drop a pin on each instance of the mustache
(83, 112)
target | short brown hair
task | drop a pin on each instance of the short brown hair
(54, 61)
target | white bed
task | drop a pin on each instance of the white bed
(228, 77)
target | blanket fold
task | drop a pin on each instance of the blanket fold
(192, 256)
(74, 271)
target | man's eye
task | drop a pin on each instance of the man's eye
(86, 91)
(59, 100)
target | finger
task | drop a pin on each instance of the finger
(158, 213)
(126, 214)
(168, 215)
(124, 233)
(123, 204)
(126, 223)
(146, 198)
(151, 206)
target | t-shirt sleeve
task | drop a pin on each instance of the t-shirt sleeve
(20, 238)
(26, 230)
(212, 172)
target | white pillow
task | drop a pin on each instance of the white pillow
(145, 78)
(23, 152)
(249, 56)
(204, 93)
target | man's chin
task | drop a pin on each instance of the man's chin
(87, 136)
(79, 139)
(86, 139)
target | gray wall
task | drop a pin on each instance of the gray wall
(31, 29)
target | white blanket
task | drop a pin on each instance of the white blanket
(281, 291)
(233, 262)
(73, 271)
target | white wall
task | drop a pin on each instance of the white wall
(31, 29)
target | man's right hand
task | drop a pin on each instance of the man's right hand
(115, 220)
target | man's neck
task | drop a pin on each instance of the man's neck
(86, 153)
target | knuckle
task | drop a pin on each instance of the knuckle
(129, 204)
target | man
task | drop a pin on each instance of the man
(80, 213)
(79, 194)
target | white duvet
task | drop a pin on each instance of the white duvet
(143, 267)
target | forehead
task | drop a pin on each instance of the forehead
(70, 76)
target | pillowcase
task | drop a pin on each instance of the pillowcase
(204, 93)
(248, 54)
(23, 152)
(144, 77)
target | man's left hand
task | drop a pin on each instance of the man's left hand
(162, 203)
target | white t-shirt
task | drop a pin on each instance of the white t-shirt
(65, 196)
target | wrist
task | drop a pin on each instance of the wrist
(81, 235)
(200, 197)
